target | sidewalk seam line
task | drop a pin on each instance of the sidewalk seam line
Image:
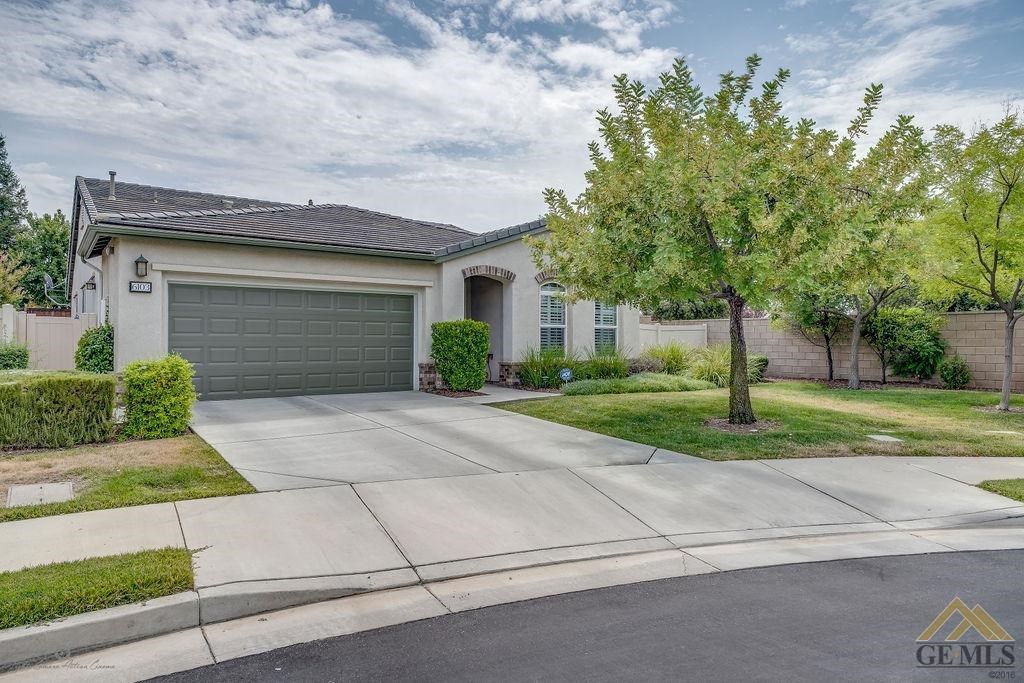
(620, 506)
(825, 493)
(401, 551)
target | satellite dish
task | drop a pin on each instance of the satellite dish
(47, 280)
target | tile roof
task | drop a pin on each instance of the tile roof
(331, 225)
(485, 238)
(323, 225)
(131, 197)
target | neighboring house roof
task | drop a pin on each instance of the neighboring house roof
(163, 212)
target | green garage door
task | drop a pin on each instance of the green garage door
(250, 342)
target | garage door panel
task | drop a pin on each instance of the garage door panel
(252, 342)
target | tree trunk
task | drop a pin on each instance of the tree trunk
(828, 358)
(881, 358)
(740, 410)
(854, 382)
(1004, 398)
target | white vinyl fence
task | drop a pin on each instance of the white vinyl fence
(51, 340)
(653, 334)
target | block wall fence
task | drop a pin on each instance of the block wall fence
(976, 336)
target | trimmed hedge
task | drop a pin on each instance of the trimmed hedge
(459, 349)
(95, 352)
(13, 356)
(55, 409)
(954, 372)
(158, 397)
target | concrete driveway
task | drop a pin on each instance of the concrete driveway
(307, 441)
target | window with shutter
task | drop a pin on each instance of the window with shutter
(606, 326)
(552, 316)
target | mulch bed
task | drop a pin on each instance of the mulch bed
(995, 409)
(455, 394)
(723, 424)
(844, 384)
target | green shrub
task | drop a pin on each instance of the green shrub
(757, 366)
(158, 397)
(95, 352)
(907, 339)
(954, 372)
(606, 363)
(540, 369)
(459, 349)
(55, 409)
(676, 358)
(13, 356)
(712, 365)
(646, 363)
(648, 382)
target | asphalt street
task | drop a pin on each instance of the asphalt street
(847, 620)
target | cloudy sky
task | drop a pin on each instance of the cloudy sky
(455, 110)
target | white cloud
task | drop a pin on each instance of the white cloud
(290, 101)
(900, 15)
(807, 42)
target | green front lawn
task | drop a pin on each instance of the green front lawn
(120, 474)
(1011, 488)
(814, 421)
(54, 591)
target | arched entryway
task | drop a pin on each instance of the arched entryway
(486, 299)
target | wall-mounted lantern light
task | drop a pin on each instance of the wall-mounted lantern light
(141, 266)
(90, 283)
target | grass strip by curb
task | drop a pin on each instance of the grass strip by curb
(53, 591)
(200, 472)
(1011, 488)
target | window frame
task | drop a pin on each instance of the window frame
(550, 294)
(601, 325)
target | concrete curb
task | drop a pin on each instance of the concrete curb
(279, 613)
(235, 600)
(102, 628)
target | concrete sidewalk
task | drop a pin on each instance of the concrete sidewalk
(463, 535)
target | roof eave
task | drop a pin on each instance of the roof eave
(94, 231)
(447, 253)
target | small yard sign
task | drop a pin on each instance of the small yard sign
(140, 287)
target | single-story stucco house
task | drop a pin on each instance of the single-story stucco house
(275, 299)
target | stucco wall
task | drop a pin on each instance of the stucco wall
(140, 320)
(976, 336)
(522, 303)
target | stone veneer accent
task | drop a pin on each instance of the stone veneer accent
(431, 381)
(508, 374)
(490, 271)
(976, 336)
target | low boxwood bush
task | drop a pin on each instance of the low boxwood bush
(13, 356)
(459, 349)
(55, 409)
(954, 372)
(648, 382)
(95, 352)
(158, 397)
(541, 369)
(676, 358)
(603, 364)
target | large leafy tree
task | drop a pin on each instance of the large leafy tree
(13, 205)
(692, 195)
(43, 250)
(11, 274)
(975, 239)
